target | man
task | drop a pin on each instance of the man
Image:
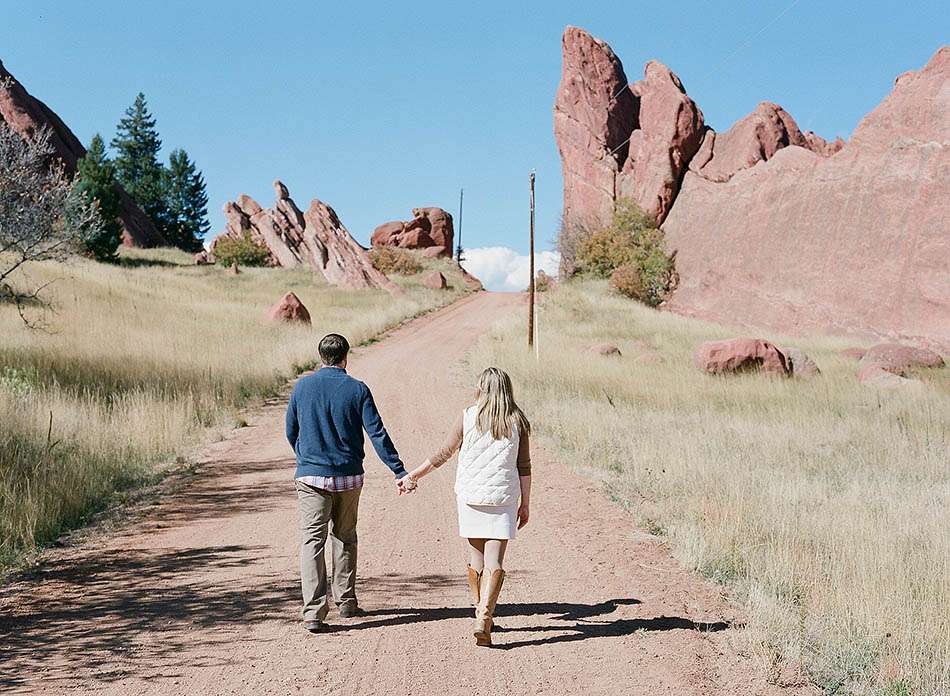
(327, 414)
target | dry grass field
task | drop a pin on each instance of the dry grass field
(143, 360)
(824, 505)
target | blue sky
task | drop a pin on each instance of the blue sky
(377, 108)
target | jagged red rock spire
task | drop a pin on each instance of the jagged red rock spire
(314, 238)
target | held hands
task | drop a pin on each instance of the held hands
(406, 485)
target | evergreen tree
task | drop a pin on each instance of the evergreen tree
(187, 202)
(137, 166)
(95, 184)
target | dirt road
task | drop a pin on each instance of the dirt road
(199, 595)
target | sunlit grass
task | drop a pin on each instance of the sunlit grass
(823, 504)
(143, 360)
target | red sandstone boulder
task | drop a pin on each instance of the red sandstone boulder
(471, 282)
(669, 133)
(290, 308)
(603, 349)
(435, 281)
(435, 252)
(898, 359)
(316, 239)
(430, 228)
(874, 375)
(202, 258)
(741, 355)
(26, 115)
(799, 364)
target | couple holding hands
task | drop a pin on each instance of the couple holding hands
(326, 417)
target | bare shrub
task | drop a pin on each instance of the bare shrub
(394, 260)
(42, 216)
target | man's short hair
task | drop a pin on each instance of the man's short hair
(333, 349)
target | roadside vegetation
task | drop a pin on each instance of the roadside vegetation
(137, 362)
(630, 251)
(824, 505)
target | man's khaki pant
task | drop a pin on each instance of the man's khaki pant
(325, 513)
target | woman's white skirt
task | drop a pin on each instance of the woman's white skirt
(488, 521)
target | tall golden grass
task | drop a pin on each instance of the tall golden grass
(823, 504)
(143, 360)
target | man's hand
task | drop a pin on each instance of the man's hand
(523, 514)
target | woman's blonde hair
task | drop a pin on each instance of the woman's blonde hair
(497, 411)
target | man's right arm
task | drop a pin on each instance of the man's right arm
(382, 443)
(291, 423)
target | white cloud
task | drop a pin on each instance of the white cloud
(503, 269)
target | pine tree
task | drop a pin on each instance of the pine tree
(95, 183)
(137, 166)
(187, 202)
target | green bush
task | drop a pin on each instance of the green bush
(394, 260)
(631, 248)
(243, 252)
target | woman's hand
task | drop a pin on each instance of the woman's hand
(523, 514)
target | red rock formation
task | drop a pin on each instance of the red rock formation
(429, 229)
(26, 115)
(290, 309)
(799, 364)
(740, 355)
(435, 281)
(315, 238)
(669, 133)
(594, 114)
(771, 227)
(874, 375)
(856, 243)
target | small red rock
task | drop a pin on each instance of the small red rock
(896, 358)
(800, 364)
(433, 252)
(875, 375)
(435, 281)
(202, 258)
(605, 349)
(290, 308)
(740, 355)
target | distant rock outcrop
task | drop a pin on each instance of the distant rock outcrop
(430, 229)
(314, 238)
(771, 227)
(435, 281)
(26, 115)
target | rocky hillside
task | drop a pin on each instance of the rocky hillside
(771, 226)
(314, 238)
(26, 115)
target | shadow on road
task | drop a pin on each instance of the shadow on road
(106, 608)
(568, 621)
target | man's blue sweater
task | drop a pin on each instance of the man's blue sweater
(326, 416)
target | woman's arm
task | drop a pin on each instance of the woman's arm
(525, 507)
(452, 442)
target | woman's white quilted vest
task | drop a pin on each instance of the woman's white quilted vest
(488, 468)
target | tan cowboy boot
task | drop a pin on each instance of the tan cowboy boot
(474, 584)
(490, 589)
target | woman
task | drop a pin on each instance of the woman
(494, 471)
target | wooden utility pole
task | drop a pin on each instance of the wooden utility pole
(531, 268)
(458, 246)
